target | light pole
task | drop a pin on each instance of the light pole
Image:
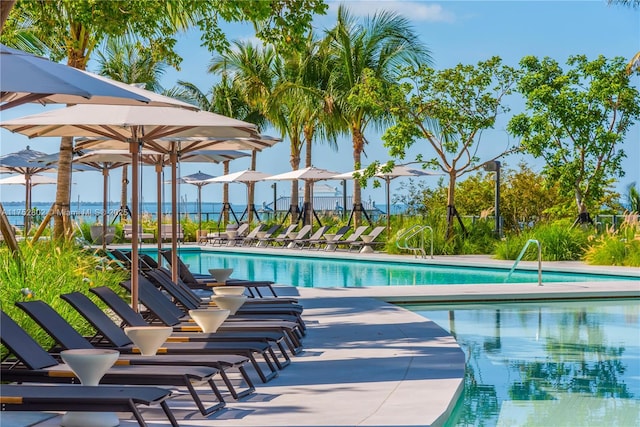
(494, 166)
(275, 199)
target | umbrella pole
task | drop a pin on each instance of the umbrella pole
(105, 188)
(174, 213)
(27, 186)
(199, 210)
(134, 150)
(159, 208)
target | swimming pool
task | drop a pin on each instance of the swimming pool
(544, 364)
(331, 272)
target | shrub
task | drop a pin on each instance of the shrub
(46, 271)
(558, 241)
(621, 247)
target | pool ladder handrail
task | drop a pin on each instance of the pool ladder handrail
(412, 231)
(524, 249)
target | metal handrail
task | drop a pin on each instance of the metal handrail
(524, 249)
(411, 232)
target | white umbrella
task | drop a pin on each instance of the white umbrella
(22, 180)
(245, 177)
(395, 172)
(310, 174)
(136, 126)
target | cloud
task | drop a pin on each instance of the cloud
(412, 10)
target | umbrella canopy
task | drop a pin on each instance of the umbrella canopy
(312, 175)
(28, 78)
(245, 177)
(198, 179)
(395, 172)
(21, 180)
(25, 162)
(135, 125)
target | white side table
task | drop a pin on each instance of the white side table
(89, 365)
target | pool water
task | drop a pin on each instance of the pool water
(546, 364)
(322, 272)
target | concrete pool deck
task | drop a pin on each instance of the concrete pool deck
(370, 363)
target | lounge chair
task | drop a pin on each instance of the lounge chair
(371, 240)
(202, 281)
(287, 241)
(163, 310)
(189, 301)
(128, 233)
(22, 397)
(112, 333)
(315, 237)
(226, 237)
(267, 240)
(37, 365)
(165, 232)
(260, 237)
(67, 337)
(347, 241)
(133, 318)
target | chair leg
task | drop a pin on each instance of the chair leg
(198, 401)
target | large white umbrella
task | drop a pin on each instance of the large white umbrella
(135, 126)
(22, 180)
(395, 172)
(310, 174)
(246, 177)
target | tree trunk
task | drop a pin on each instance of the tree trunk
(5, 9)
(123, 195)
(451, 204)
(294, 161)
(251, 201)
(358, 147)
(583, 212)
(63, 190)
(308, 137)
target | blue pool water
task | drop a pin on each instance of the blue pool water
(551, 364)
(323, 272)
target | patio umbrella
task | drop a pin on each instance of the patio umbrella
(136, 126)
(198, 179)
(311, 175)
(245, 177)
(29, 78)
(25, 163)
(395, 172)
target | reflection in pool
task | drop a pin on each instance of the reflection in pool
(547, 364)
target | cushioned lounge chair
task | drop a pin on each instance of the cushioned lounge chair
(67, 337)
(108, 330)
(287, 241)
(132, 318)
(284, 234)
(37, 365)
(61, 397)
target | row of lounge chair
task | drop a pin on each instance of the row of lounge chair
(261, 338)
(291, 238)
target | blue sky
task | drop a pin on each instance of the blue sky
(455, 32)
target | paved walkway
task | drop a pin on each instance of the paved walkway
(370, 363)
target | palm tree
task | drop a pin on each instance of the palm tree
(634, 63)
(129, 62)
(227, 98)
(382, 44)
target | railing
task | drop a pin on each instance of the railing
(524, 249)
(415, 230)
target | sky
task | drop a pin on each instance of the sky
(455, 32)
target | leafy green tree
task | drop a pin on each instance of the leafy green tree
(378, 45)
(575, 120)
(73, 29)
(447, 110)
